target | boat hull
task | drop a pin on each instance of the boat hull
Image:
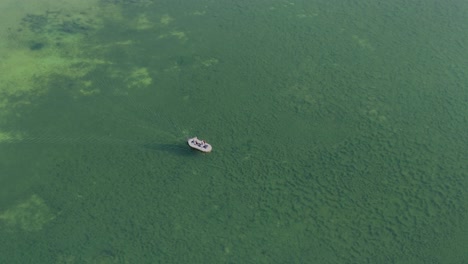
(200, 147)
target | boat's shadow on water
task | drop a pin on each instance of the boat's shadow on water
(174, 149)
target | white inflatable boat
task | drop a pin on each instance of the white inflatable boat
(200, 145)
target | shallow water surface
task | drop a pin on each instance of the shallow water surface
(338, 131)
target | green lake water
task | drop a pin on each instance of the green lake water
(339, 131)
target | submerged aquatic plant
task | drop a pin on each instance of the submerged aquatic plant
(29, 215)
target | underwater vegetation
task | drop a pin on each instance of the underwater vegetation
(29, 215)
(57, 22)
(329, 149)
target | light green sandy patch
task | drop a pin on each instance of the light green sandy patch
(199, 13)
(166, 19)
(179, 34)
(281, 5)
(48, 43)
(306, 15)
(364, 43)
(9, 137)
(209, 62)
(29, 215)
(123, 43)
(139, 78)
(23, 70)
(88, 89)
(142, 22)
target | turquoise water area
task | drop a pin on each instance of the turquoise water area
(339, 131)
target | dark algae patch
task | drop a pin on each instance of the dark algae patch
(338, 133)
(57, 21)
